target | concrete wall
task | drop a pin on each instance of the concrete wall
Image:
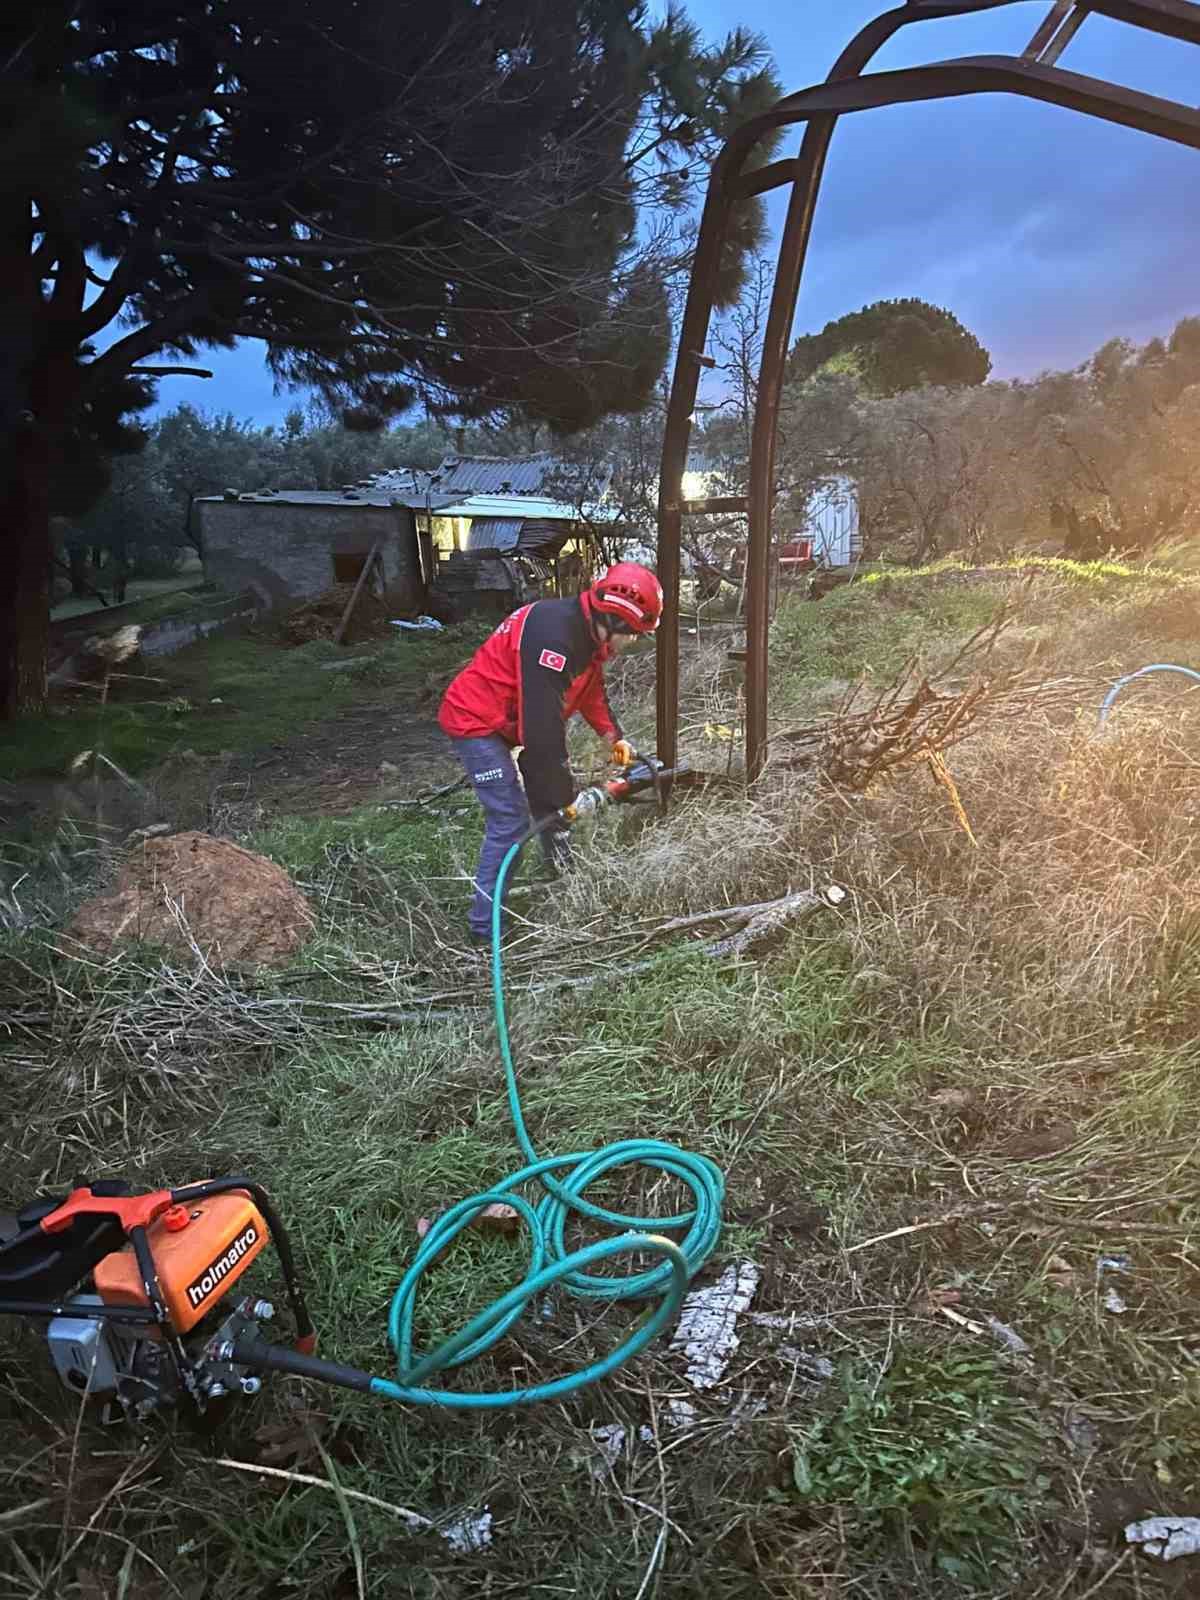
(175, 633)
(284, 553)
(209, 614)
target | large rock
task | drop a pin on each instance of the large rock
(239, 908)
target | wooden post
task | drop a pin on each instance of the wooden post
(372, 557)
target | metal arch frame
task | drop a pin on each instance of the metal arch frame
(846, 90)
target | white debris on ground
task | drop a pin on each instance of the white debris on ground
(785, 1323)
(706, 1331)
(422, 625)
(1082, 1435)
(1168, 1538)
(609, 1439)
(747, 1408)
(1008, 1336)
(677, 1415)
(470, 1534)
(1119, 1263)
(818, 1369)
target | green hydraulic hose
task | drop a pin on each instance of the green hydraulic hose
(549, 1261)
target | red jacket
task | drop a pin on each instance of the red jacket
(541, 666)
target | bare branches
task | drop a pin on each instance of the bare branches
(909, 721)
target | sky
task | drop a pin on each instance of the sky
(1045, 232)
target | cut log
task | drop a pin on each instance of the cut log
(765, 922)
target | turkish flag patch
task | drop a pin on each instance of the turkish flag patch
(552, 659)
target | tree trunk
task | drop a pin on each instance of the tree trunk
(119, 556)
(77, 567)
(26, 552)
(25, 560)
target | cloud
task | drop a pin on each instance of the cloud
(1045, 231)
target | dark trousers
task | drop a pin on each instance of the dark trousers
(489, 764)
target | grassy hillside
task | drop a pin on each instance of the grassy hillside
(958, 1119)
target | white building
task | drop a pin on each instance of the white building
(831, 522)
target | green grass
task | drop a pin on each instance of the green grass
(424, 843)
(188, 577)
(149, 600)
(1103, 575)
(871, 629)
(266, 690)
(842, 637)
(940, 1448)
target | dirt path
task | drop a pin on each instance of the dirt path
(368, 753)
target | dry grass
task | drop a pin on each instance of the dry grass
(944, 1103)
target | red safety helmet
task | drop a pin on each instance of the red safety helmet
(631, 595)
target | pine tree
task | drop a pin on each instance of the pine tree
(467, 203)
(894, 345)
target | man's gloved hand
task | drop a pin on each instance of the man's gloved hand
(623, 753)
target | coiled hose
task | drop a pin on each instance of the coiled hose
(549, 1261)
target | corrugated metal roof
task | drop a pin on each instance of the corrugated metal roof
(464, 486)
(524, 505)
(511, 475)
(544, 535)
(529, 478)
(494, 533)
(377, 495)
(507, 506)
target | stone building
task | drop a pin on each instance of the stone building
(488, 532)
(288, 545)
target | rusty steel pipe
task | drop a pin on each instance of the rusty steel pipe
(692, 335)
(843, 92)
(793, 252)
(727, 185)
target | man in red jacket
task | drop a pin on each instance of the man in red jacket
(542, 664)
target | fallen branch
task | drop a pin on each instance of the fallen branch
(169, 1033)
(763, 922)
(1048, 1221)
(697, 919)
(768, 921)
(19, 1515)
(961, 1214)
(413, 1518)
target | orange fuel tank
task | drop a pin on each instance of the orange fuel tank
(200, 1250)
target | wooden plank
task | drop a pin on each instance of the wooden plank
(372, 557)
(725, 502)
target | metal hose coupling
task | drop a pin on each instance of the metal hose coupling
(585, 803)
